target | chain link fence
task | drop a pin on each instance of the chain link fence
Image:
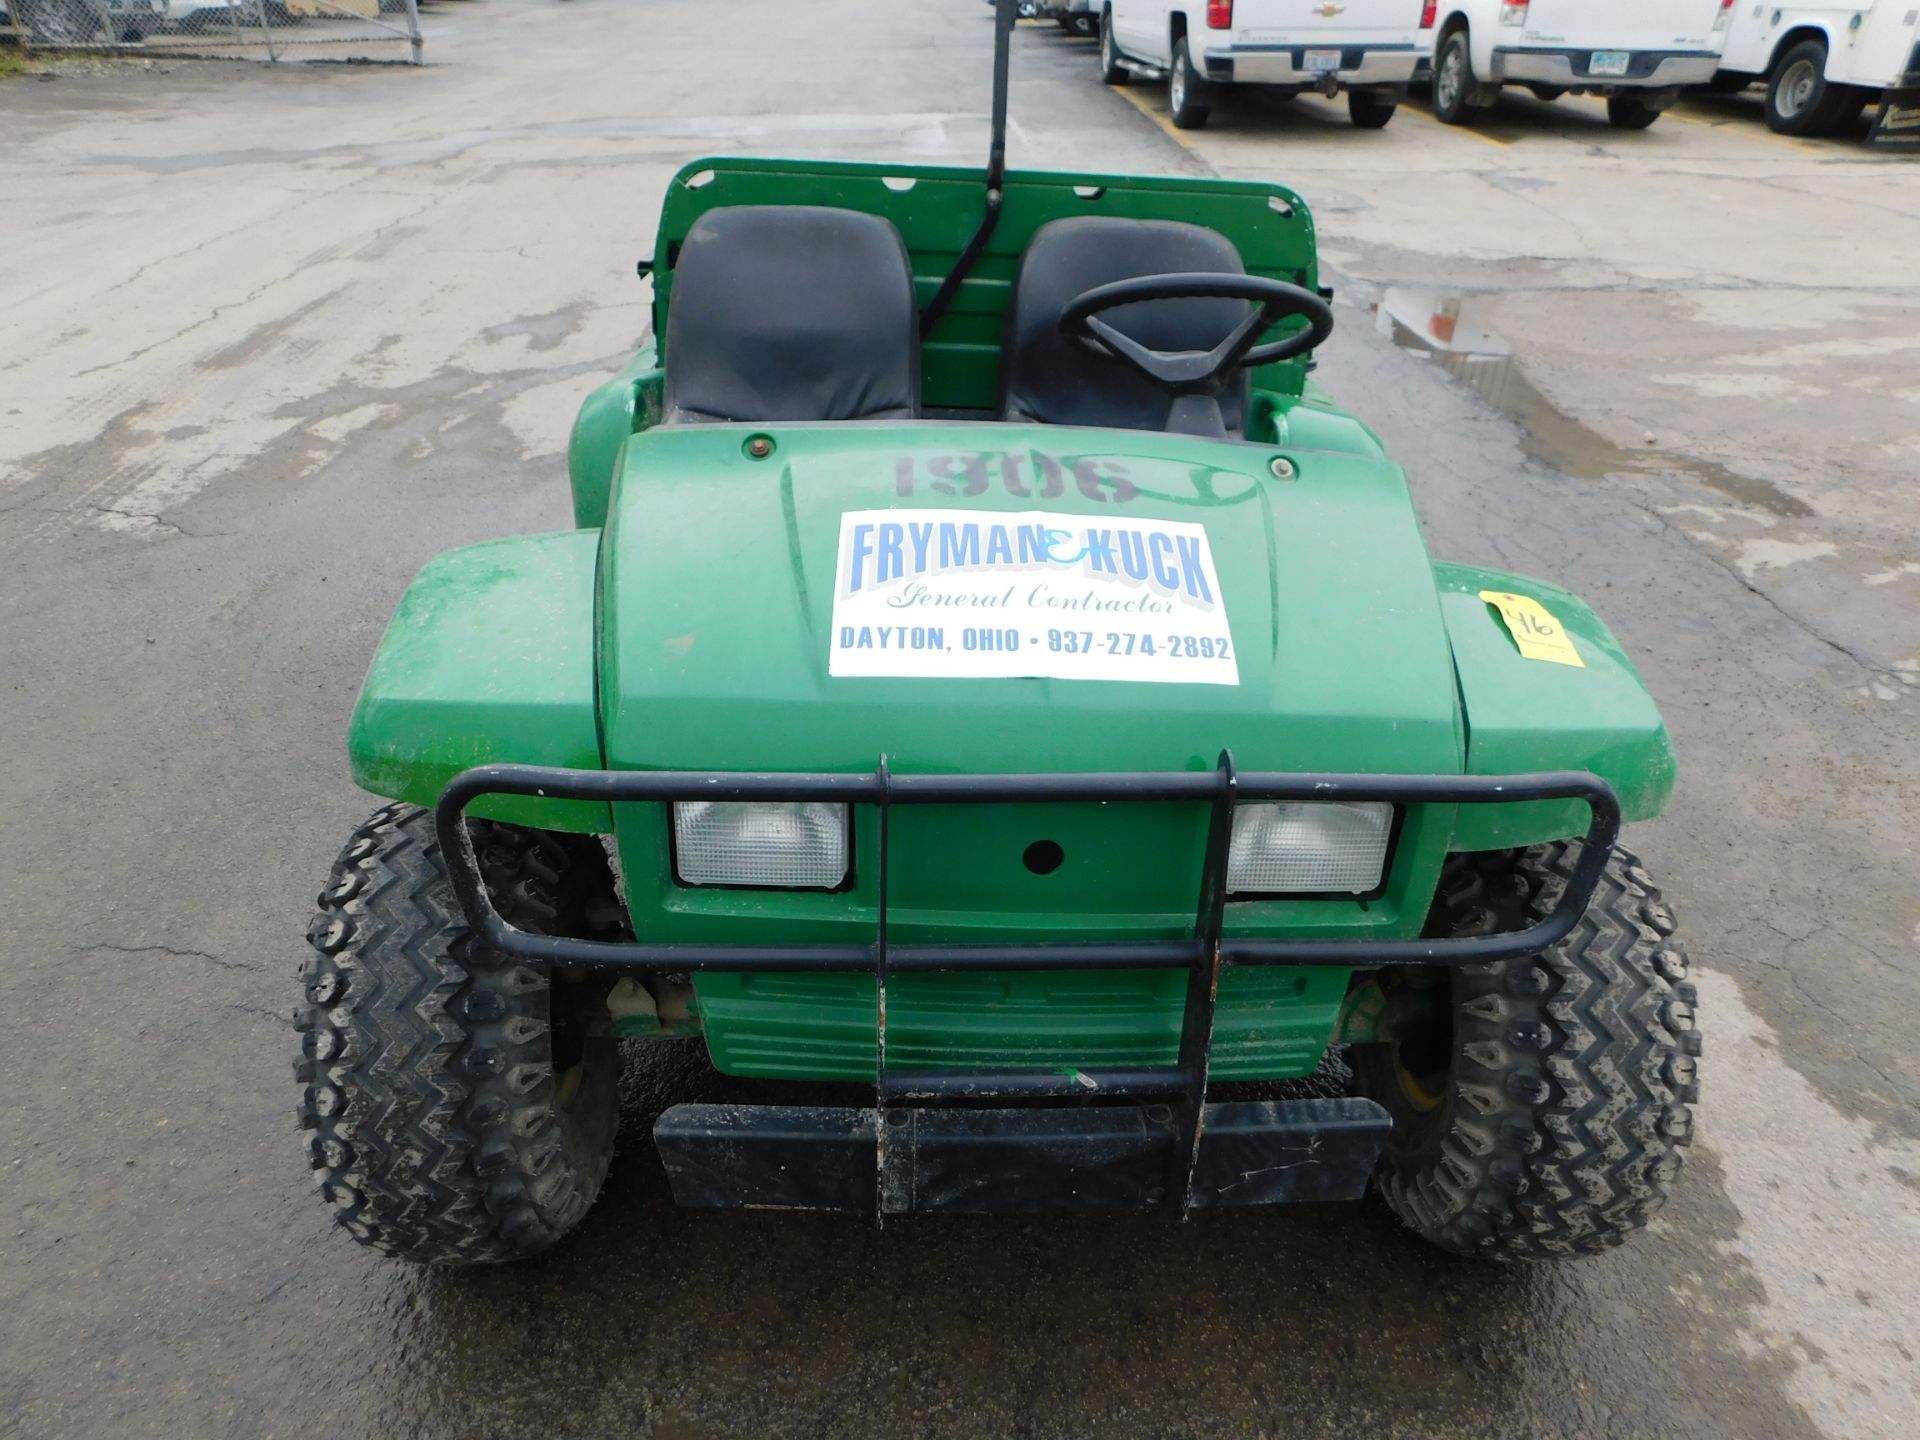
(259, 29)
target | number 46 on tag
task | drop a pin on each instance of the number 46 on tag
(1535, 631)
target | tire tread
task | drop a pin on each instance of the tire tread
(1569, 1110)
(427, 1080)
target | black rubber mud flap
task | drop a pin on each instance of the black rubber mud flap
(1897, 127)
(780, 1157)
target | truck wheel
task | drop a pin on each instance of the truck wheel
(1540, 1105)
(1111, 70)
(1453, 81)
(1368, 110)
(1624, 112)
(1799, 99)
(461, 1110)
(1187, 95)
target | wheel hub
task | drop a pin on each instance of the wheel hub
(1448, 84)
(1796, 88)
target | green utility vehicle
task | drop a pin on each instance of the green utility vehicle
(987, 675)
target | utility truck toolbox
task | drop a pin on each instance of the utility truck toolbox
(988, 676)
(1822, 65)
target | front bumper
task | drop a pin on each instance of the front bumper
(1181, 1088)
(1573, 69)
(1287, 65)
(1117, 1157)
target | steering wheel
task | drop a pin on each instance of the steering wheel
(1199, 372)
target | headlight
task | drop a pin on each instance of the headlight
(1293, 847)
(764, 846)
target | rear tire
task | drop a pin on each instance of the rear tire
(1799, 99)
(1626, 113)
(1112, 72)
(461, 1108)
(1544, 1110)
(1187, 94)
(1368, 110)
(1548, 93)
(1453, 81)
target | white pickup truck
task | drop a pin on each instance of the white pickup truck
(1823, 62)
(1369, 48)
(1637, 53)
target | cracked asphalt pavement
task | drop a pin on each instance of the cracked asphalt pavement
(270, 338)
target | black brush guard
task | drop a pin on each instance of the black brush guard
(1160, 1143)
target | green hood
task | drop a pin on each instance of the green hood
(717, 607)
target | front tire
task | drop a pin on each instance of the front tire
(1453, 81)
(461, 1105)
(1368, 110)
(1187, 95)
(1626, 113)
(1542, 1108)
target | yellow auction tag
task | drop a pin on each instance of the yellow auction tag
(1537, 633)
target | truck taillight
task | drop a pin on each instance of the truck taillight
(1724, 15)
(1427, 13)
(1219, 14)
(1513, 12)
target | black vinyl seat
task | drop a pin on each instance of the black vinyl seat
(1050, 377)
(791, 312)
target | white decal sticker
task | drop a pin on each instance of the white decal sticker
(982, 594)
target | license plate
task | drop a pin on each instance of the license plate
(1320, 62)
(1609, 62)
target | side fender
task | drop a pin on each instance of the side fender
(1524, 714)
(1807, 27)
(628, 402)
(1480, 41)
(488, 660)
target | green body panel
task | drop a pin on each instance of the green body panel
(1310, 422)
(686, 626)
(1272, 1023)
(631, 402)
(1532, 715)
(627, 403)
(488, 659)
